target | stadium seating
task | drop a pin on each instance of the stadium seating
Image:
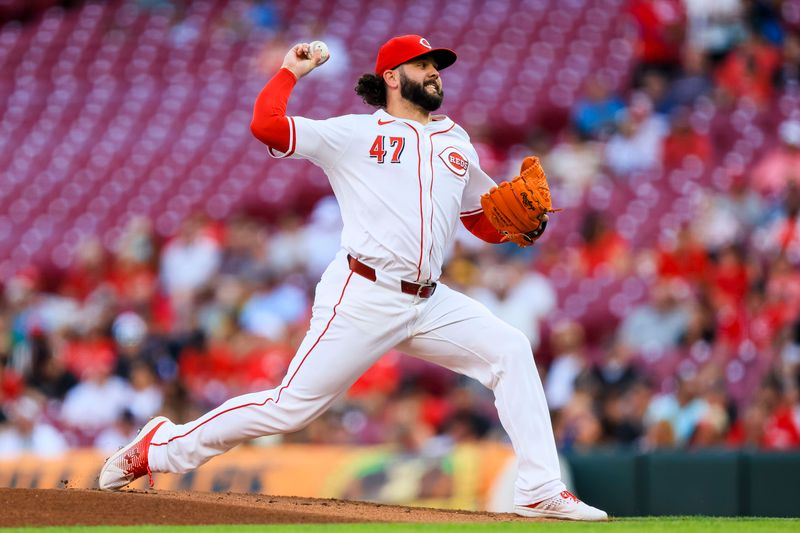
(113, 110)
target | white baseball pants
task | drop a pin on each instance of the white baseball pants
(354, 322)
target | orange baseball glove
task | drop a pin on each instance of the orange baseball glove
(518, 208)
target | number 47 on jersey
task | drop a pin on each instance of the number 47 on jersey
(378, 150)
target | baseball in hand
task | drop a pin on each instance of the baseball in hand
(322, 47)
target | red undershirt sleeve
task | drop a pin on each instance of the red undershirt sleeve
(270, 124)
(479, 225)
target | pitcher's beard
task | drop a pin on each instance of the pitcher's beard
(417, 94)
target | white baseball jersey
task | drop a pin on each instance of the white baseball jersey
(401, 185)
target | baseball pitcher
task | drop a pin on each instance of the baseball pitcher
(404, 178)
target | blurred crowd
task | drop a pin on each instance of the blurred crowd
(705, 352)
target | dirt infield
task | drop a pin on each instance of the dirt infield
(55, 507)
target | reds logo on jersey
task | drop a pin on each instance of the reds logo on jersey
(453, 160)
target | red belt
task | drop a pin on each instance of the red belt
(420, 290)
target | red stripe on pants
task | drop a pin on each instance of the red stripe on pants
(278, 398)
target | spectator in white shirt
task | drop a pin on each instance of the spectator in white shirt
(657, 326)
(27, 432)
(190, 260)
(637, 145)
(146, 396)
(520, 297)
(97, 401)
(569, 361)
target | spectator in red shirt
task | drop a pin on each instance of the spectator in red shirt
(782, 424)
(11, 384)
(264, 364)
(686, 259)
(683, 140)
(783, 288)
(134, 282)
(84, 352)
(782, 429)
(603, 249)
(661, 27)
(748, 71)
(729, 278)
(88, 272)
(748, 430)
(728, 283)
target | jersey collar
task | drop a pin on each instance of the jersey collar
(438, 122)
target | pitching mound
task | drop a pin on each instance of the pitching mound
(57, 507)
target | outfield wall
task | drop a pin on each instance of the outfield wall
(474, 477)
(716, 483)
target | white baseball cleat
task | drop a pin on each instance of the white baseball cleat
(130, 462)
(564, 506)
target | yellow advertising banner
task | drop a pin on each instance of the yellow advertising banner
(463, 478)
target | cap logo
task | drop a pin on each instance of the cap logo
(424, 42)
(454, 161)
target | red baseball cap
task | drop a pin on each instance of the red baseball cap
(399, 50)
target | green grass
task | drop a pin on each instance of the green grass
(677, 524)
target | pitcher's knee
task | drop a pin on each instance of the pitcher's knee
(515, 350)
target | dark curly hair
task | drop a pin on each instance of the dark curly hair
(371, 88)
